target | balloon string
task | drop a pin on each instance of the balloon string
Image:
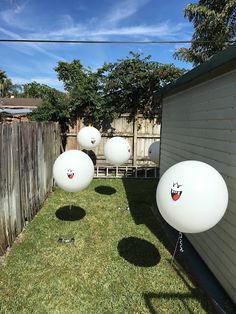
(70, 206)
(70, 216)
(180, 242)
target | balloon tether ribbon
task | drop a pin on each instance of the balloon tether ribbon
(70, 212)
(71, 240)
(180, 242)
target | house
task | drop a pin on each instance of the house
(199, 123)
(16, 109)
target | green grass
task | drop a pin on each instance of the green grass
(119, 262)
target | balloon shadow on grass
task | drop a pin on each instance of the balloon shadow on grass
(73, 214)
(104, 189)
(138, 252)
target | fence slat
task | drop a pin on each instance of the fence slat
(27, 153)
(140, 133)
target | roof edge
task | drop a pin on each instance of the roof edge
(219, 64)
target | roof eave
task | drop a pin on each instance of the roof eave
(219, 64)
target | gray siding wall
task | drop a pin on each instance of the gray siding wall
(199, 123)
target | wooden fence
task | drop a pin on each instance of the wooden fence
(27, 153)
(140, 133)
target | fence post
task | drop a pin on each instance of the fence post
(135, 136)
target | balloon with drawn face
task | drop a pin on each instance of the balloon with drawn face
(73, 170)
(70, 174)
(192, 196)
(117, 151)
(89, 137)
(153, 151)
(176, 191)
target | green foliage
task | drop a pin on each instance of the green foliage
(214, 22)
(3, 76)
(7, 88)
(126, 86)
(54, 107)
(17, 90)
(71, 74)
(5, 85)
(84, 92)
(37, 90)
(130, 83)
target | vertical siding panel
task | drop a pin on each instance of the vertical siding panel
(199, 123)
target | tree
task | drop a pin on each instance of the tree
(126, 86)
(5, 84)
(130, 83)
(214, 22)
(17, 90)
(3, 76)
(37, 90)
(7, 88)
(72, 74)
(85, 92)
(53, 108)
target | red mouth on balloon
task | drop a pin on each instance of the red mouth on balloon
(175, 195)
(93, 141)
(70, 174)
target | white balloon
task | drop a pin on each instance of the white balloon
(117, 150)
(89, 137)
(153, 151)
(192, 196)
(73, 170)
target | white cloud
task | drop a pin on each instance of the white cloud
(152, 30)
(109, 25)
(47, 80)
(27, 48)
(9, 33)
(19, 80)
(64, 27)
(105, 28)
(124, 9)
(162, 31)
(50, 81)
(16, 16)
(65, 20)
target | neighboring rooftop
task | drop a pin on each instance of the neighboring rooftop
(20, 103)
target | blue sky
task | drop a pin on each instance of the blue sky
(126, 20)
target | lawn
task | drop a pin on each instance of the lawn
(119, 261)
